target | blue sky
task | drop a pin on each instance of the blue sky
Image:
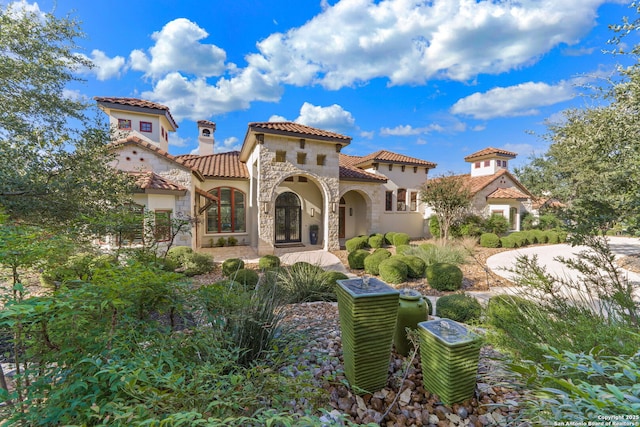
(435, 79)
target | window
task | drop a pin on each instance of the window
(163, 132)
(132, 226)
(302, 158)
(390, 167)
(302, 179)
(281, 156)
(414, 201)
(476, 165)
(124, 124)
(146, 127)
(402, 200)
(206, 133)
(321, 159)
(487, 163)
(415, 169)
(227, 215)
(289, 179)
(402, 167)
(388, 201)
(162, 222)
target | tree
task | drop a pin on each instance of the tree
(449, 197)
(54, 163)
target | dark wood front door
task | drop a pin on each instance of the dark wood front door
(341, 218)
(288, 218)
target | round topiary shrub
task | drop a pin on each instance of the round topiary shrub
(415, 266)
(520, 238)
(552, 237)
(443, 276)
(356, 259)
(392, 270)
(268, 262)
(331, 277)
(401, 239)
(388, 237)
(489, 240)
(372, 262)
(376, 241)
(541, 236)
(175, 256)
(356, 243)
(194, 263)
(402, 249)
(247, 278)
(459, 307)
(231, 265)
(508, 242)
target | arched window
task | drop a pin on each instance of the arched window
(227, 215)
(206, 133)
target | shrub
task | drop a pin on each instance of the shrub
(392, 270)
(177, 252)
(402, 249)
(496, 223)
(388, 237)
(303, 282)
(521, 238)
(247, 278)
(195, 263)
(434, 226)
(508, 315)
(268, 262)
(489, 240)
(376, 241)
(527, 221)
(401, 239)
(231, 265)
(77, 268)
(549, 221)
(356, 259)
(470, 226)
(459, 307)
(331, 277)
(355, 243)
(232, 241)
(431, 253)
(372, 262)
(428, 246)
(540, 236)
(221, 241)
(509, 242)
(553, 237)
(415, 266)
(444, 277)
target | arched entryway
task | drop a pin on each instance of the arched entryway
(288, 218)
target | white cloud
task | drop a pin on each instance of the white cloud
(520, 100)
(277, 118)
(228, 144)
(403, 130)
(367, 134)
(333, 117)
(412, 41)
(22, 6)
(104, 67)
(175, 140)
(178, 48)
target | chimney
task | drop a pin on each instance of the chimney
(205, 137)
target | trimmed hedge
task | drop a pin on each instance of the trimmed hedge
(359, 242)
(401, 239)
(376, 240)
(247, 278)
(331, 277)
(392, 270)
(459, 307)
(268, 262)
(443, 276)
(231, 265)
(402, 249)
(356, 259)
(388, 237)
(489, 240)
(415, 266)
(509, 242)
(372, 262)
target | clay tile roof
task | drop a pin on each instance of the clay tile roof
(135, 102)
(207, 123)
(150, 181)
(384, 156)
(297, 128)
(507, 193)
(491, 151)
(349, 172)
(221, 165)
(135, 140)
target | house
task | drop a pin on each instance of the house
(494, 189)
(286, 178)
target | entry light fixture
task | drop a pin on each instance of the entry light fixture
(333, 207)
(265, 207)
(313, 212)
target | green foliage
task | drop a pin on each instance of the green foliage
(388, 237)
(355, 243)
(496, 224)
(247, 278)
(232, 241)
(77, 268)
(509, 242)
(268, 262)
(393, 270)
(176, 253)
(415, 266)
(444, 276)
(221, 242)
(331, 277)
(549, 221)
(376, 241)
(304, 282)
(459, 307)
(489, 240)
(470, 226)
(372, 262)
(197, 263)
(553, 237)
(400, 239)
(581, 387)
(356, 259)
(450, 197)
(231, 265)
(431, 253)
(434, 226)
(402, 249)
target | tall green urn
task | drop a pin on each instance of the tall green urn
(449, 354)
(368, 310)
(412, 309)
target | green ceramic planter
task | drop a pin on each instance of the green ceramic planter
(449, 354)
(412, 310)
(367, 322)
